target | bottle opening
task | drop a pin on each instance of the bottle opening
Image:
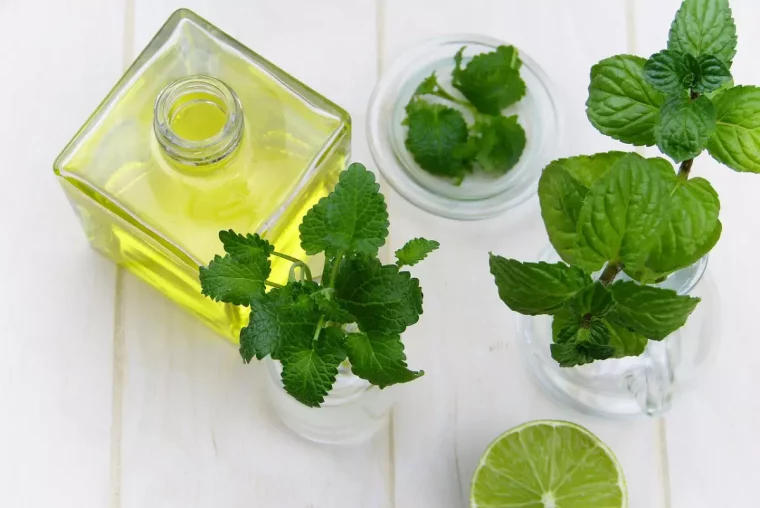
(198, 120)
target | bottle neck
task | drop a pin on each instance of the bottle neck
(198, 120)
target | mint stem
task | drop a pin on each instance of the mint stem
(683, 171)
(285, 256)
(443, 94)
(610, 272)
(273, 284)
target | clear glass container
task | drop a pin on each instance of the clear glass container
(480, 195)
(629, 387)
(200, 135)
(352, 413)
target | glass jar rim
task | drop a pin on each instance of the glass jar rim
(202, 151)
(502, 193)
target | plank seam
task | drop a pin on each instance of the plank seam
(119, 346)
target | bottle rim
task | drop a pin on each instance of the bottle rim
(203, 151)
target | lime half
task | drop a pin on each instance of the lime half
(548, 464)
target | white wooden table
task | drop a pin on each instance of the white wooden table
(111, 396)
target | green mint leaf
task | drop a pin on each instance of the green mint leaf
(235, 280)
(669, 72)
(379, 359)
(704, 27)
(650, 311)
(691, 230)
(536, 288)
(736, 141)
(725, 86)
(562, 188)
(313, 229)
(490, 81)
(414, 251)
(581, 345)
(383, 299)
(625, 341)
(240, 246)
(282, 316)
(437, 138)
(621, 104)
(713, 73)
(594, 300)
(685, 127)
(500, 143)
(352, 218)
(591, 305)
(428, 86)
(620, 213)
(329, 307)
(308, 371)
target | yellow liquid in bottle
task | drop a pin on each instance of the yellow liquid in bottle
(162, 217)
(149, 201)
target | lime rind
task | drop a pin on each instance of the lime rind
(485, 466)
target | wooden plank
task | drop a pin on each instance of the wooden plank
(712, 431)
(57, 312)
(476, 384)
(197, 429)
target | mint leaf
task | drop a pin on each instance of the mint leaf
(428, 86)
(490, 81)
(651, 311)
(239, 246)
(500, 143)
(536, 288)
(313, 229)
(713, 73)
(583, 344)
(620, 213)
(704, 27)
(383, 299)
(621, 104)
(282, 316)
(329, 307)
(353, 218)
(691, 230)
(437, 138)
(562, 188)
(725, 86)
(685, 127)
(736, 141)
(669, 72)
(235, 280)
(379, 359)
(414, 251)
(590, 306)
(625, 341)
(308, 371)
(594, 300)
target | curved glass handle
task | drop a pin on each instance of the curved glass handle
(653, 385)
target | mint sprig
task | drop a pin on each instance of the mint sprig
(615, 213)
(439, 137)
(302, 323)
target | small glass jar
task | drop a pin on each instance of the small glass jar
(631, 386)
(480, 195)
(352, 412)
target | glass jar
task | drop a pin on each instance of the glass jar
(480, 195)
(632, 386)
(352, 412)
(201, 135)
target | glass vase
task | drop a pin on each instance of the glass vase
(352, 412)
(632, 386)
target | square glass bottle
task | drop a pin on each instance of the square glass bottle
(200, 135)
